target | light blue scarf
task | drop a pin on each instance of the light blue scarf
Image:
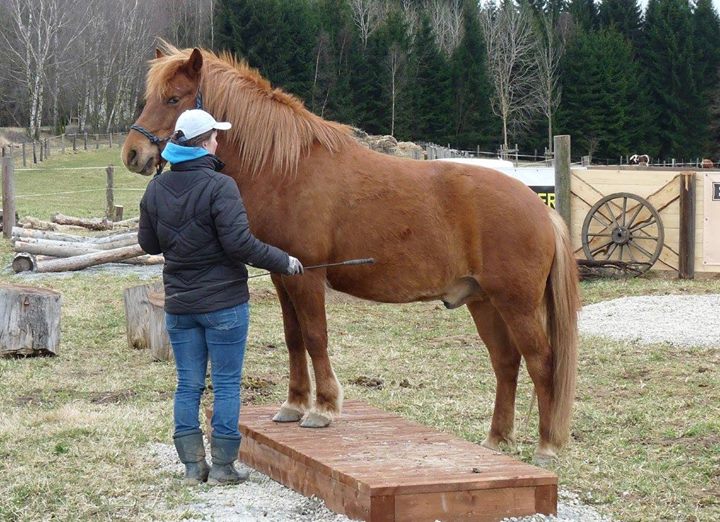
(177, 153)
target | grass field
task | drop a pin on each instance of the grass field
(74, 429)
(75, 184)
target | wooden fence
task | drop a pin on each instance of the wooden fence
(679, 197)
(34, 152)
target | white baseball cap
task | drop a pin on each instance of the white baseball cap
(195, 122)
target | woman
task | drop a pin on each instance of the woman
(195, 216)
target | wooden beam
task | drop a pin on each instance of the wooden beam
(687, 226)
(8, 196)
(562, 177)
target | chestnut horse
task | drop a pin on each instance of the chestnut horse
(437, 230)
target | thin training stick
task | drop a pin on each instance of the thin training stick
(349, 262)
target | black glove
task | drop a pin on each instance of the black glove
(294, 266)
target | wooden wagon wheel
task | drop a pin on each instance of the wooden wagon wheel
(623, 227)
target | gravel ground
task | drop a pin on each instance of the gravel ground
(263, 499)
(678, 320)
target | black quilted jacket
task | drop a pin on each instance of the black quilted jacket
(195, 216)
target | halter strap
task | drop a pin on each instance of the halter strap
(154, 139)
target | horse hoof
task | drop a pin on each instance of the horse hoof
(497, 444)
(314, 419)
(487, 443)
(544, 457)
(287, 414)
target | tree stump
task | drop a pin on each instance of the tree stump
(29, 321)
(145, 318)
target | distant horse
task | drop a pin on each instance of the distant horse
(639, 159)
(437, 230)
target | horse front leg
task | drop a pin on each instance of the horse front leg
(307, 294)
(299, 389)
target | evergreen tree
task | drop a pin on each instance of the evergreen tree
(584, 13)
(599, 105)
(336, 43)
(430, 107)
(669, 60)
(706, 38)
(625, 15)
(276, 37)
(474, 123)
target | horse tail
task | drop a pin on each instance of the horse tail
(563, 303)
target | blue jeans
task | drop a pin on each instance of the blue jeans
(221, 335)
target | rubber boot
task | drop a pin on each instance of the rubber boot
(224, 452)
(191, 450)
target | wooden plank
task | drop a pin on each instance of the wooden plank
(562, 177)
(478, 505)
(374, 465)
(687, 226)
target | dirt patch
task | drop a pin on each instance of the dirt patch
(368, 382)
(111, 397)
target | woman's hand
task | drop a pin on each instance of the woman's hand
(294, 267)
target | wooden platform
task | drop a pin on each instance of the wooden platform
(377, 466)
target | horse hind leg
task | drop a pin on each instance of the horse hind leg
(307, 293)
(299, 389)
(505, 360)
(530, 337)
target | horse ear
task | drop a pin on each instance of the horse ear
(194, 64)
(159, 53)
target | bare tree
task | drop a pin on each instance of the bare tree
(550, 49)
(367, 15)
(446, 18)
(511, 53)
(410, 15)
(40, 32)
(396, 60)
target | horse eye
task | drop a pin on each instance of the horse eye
(173, 100)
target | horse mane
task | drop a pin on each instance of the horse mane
(271, 128)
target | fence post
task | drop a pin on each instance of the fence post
(42, 151)
(23, 153)
(562, 177)
(62, 142)
(8, 196)
(35, 160)
(74, 142)
(110, 211)
(110, 141)
(686, 269)
(47, 148)
(97, 141)
(85, 140)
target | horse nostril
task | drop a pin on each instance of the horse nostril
(132, 155)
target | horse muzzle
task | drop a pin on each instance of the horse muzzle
(141, 161)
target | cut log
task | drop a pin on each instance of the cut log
(116, 236)
(19, 232)
(39, 224)
(51, 247)
(127, 222)
(25, 262)
(89, 223)
(145, 319)
(83, 261)
(29, 321)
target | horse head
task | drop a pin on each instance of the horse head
(173, 86)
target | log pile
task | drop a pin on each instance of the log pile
(49, 251)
